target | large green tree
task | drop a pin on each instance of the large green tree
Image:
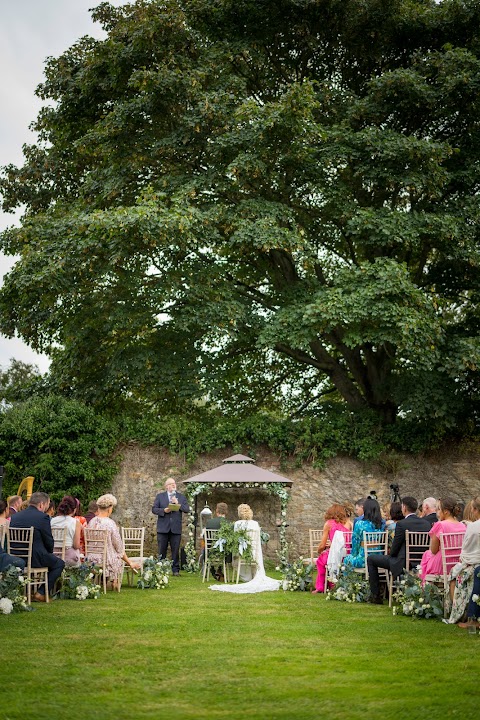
(258, 203)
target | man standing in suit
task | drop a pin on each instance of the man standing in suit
(42, 550)
(429, 510)
(169, 521)
(395, 562)
(214, 524)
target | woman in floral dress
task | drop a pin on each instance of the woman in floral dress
(116, 556)
(462, 575)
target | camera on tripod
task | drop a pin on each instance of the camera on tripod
(395, 493)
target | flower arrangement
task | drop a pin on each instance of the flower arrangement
(154, 573)
(12, 591)
(413, 599)
(296, 575)
(231, 541)
(350, 587)
(77, 583)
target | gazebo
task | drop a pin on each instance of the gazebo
(237, 471)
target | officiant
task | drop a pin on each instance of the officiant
(169, 506)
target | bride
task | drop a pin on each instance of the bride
(260, 582)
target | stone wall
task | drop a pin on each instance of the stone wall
(449, 471)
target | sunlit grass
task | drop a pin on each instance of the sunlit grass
(186, 652)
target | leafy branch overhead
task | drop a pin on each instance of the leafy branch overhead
(257, 205)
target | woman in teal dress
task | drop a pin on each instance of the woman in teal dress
(371, 522)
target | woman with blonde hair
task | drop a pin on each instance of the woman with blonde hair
(335, 520)
(116, 555)
(260, 582)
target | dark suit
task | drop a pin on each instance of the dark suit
(42, 550)
(169, 526)
(395, 562)
(432, 518)
(6, 560)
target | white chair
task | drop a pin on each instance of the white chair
(20, 543)
(374, 543)
(415, 545)
(59, 540)
(241, 562)
(314, 538)
(133, 540)
(210, 537)
(450, 548)
(344, 542)
(96, 547)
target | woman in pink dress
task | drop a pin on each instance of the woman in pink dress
(335, 519)
(447, 509)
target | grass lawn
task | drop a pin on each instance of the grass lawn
(187, 652)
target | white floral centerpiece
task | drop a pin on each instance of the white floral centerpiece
(12, 591)
(154, 573)
(417, 600)
(78, 583)
(296, 575)
(350, 587)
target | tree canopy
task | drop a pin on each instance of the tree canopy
(257, 204)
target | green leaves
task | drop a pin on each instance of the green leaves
(255, 206)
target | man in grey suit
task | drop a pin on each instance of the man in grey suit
(169, 521)
(395, 562)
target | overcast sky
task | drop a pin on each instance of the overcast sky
(31, 31)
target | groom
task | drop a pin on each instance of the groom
(169, 521)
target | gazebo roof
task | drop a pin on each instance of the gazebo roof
(239, 469)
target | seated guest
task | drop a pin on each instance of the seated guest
(42, 552)
(6, 560)
(14, 505)
(51, 510)
(65, 519)
(473, 609)
(469, 514)
(462, 574)
(372, 521)
(447, 510)
(429, 510)
(92, 510)
(115, 549)
(335, 519)
(3, 513)
(358, 510)
(394, 514)
(395, 561)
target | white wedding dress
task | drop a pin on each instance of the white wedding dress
(260, 583)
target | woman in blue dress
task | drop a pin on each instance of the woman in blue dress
(372, 521)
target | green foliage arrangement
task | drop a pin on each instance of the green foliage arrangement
(296, 575)
(66, 445)
(233, 542)
(154, 573)
(78, 583)
(350, 587)
(12, 591)
(417, 600)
